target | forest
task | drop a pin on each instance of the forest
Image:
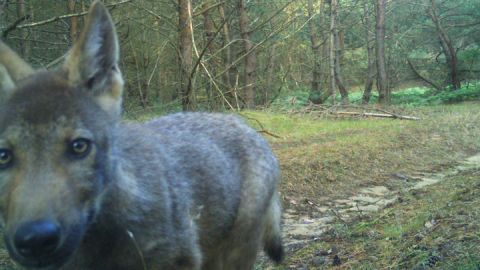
(372, 108)
(230, 55)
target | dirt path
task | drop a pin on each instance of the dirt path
(299, 229)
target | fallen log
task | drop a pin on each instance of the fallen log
(384, 115)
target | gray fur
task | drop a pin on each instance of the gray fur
(185, 191)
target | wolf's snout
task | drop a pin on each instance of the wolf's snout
(37, 239)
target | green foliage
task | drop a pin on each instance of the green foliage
(466, 93)
(410, 97)
(292, 99)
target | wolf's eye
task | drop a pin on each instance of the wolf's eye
(79, 148)
(6, 158)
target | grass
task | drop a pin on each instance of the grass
(324, 159)
(318, 157)
(440, 230)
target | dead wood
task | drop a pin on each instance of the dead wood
(323, 110)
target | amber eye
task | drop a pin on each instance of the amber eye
(6, 158)
(79, 148)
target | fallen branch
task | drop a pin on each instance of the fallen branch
(350, 110)
(383, 115)
(269, 133)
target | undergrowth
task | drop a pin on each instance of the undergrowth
(410, 97)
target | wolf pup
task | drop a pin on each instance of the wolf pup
(79, 189)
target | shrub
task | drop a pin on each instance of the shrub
(415, 96)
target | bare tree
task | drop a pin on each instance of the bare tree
(24, 44)
(382, 80)
(447, 46)
(209, 32)
(338, 71)
(369, 37)
(250, 58)
(73, 20)
(335, 56)
(315, 92)
(186, 52)
(227, 52)
(270, 74)
(333, 10)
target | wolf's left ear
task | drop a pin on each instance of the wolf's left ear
(92, 63)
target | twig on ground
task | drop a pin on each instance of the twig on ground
(269, 133)
(262, 128)
(337, 215)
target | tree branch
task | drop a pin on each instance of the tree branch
(14, 25)
(198, 13)
(436, 86)
(66, 16)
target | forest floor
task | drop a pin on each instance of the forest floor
(379, 194)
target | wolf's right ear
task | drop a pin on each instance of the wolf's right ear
(92, 63)
(6, 83)
(16, 67)
(12, 69)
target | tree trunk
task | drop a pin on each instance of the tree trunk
(447, 46)
(270, 74)
(333, 9)
(325, 63)
(186, 52)
(369, 36)
(24, 45)
(382, 80)
(315, 91)
(227, 52)
(325, 49)
(73, 21)
(209, 31)
(338, 55)
(250, 59)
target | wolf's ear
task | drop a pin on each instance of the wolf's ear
(6, 83)
(16, 67)
(12, 69)
(92, 63)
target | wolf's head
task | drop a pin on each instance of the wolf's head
(55, 144)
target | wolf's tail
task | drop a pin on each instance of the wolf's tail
(272, 237)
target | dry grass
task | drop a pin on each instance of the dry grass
(321, 159)
(436, 227)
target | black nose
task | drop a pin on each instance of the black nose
(37, 239)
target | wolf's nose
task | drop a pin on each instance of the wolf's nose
(37, 239)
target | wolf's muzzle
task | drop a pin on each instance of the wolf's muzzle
(37, 239)
(44, 243)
